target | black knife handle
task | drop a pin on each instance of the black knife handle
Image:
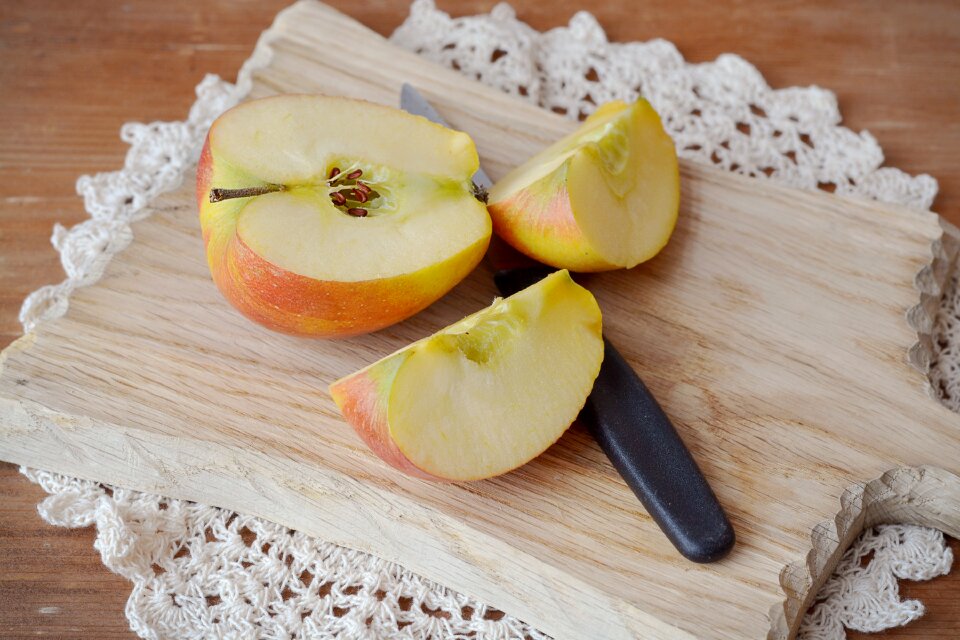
(643, 445)
(646, 450)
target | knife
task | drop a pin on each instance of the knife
(628, 423)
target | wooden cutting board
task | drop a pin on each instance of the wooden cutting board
(787, 333)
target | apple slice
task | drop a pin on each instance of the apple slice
(605, 197)
(486, 394)
(329, 217)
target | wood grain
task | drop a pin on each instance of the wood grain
(894, 65)
(743, 374)
(52, 582)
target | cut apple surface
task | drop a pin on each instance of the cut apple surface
(332, 217)
(486, 394)
(605, 197)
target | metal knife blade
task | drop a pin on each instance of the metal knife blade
(412, 102)
(630, 426)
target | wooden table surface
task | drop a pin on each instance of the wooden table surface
(73, 71)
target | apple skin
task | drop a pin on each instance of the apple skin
(204, 176)
(362, 399)
(291, 303)
(538, 221)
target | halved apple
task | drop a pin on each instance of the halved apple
(486, 394)
(605, 197)
(328, 217)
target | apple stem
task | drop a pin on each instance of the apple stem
(217, 195)
(480, 193)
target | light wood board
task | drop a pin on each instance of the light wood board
(774, 329)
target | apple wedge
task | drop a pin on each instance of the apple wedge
(605, 197)
(332, 217)
(486, 394)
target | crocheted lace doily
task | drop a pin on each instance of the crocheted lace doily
(203, 572)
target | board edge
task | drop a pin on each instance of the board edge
(925, 495)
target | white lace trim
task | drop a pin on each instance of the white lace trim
(719, 112)
(200, 571)
(204, 572)
(945, 368)
(867, 597)
(159, 153)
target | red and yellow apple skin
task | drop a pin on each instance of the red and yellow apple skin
(291, 303)
(486, 394)
(363, 399)
(538, 221)
(606, 197)
(204, 176)
(285, 301)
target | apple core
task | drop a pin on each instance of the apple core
(332, 217)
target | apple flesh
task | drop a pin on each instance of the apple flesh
(486, 394)
(332, 217)
(605, 197)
